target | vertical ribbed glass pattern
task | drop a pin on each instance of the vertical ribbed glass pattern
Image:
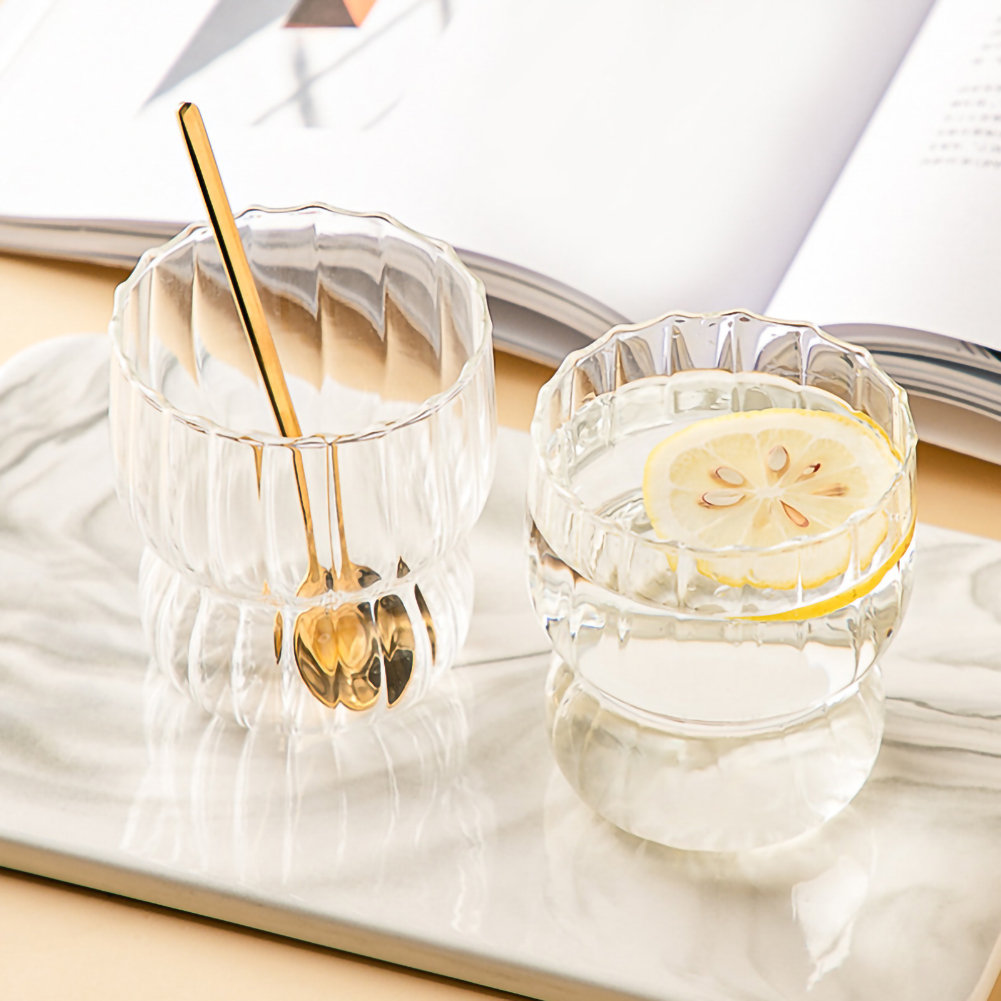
(385, 341)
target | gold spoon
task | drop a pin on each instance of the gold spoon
(340, 651)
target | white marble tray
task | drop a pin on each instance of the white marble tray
(448, 841)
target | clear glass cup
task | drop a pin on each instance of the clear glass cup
(385, 340)
(686, 704)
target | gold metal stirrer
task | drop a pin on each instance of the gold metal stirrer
(341, 650)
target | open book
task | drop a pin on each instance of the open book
(594, 161)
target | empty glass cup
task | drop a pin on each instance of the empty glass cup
(385, 340)
(715, 682)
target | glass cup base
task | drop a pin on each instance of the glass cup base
(220, 649)
(706, 786)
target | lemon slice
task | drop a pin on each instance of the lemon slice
(753, 481)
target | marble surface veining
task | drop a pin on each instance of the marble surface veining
(446, 838)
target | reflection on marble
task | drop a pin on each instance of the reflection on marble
(448, 840)
(260, 808)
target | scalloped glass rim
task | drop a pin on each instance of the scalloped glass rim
(193, 232)
(540, 434)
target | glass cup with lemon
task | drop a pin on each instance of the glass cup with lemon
(720, 548)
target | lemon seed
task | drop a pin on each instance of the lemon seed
(721, 498)
(778, 459)
(729, 476)
(799, 519)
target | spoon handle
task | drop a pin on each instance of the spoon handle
(234, 259)
(247, 298)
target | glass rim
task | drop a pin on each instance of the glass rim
(196, 232)
(611, 526)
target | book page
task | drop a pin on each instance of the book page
(18, 19)
(653, 154)
(911, 235)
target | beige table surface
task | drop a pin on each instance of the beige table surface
(58, 941)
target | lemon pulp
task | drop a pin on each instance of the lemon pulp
(763, 494)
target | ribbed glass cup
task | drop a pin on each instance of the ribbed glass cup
(385, 341)
(686, 703)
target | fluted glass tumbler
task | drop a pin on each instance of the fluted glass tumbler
(384, 338)
(720, 547)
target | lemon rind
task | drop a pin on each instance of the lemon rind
(842, 599)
